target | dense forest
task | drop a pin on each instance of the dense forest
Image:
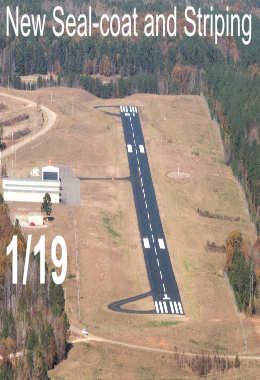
(33, 322)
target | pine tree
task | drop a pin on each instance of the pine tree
(47, 205)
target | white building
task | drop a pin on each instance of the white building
(33, 189)
(50, 173)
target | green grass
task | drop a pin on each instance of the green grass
(71, 276)
(107, 224)
(195, 153)
(188, 266)
(146, 373)
(162, 323)
(218, 347)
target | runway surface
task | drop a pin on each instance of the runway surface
(163, 284)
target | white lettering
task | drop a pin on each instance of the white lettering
(190, 21)
(59, 21)
(15, 24)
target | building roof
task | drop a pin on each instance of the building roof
(50, 168)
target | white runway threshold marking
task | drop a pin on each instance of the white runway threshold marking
(180, 307)
(161, 243)
(141, 147)
(130, 148)
(146, 243)
(164, 307)
(157, 307)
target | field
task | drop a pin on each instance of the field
(105, 255)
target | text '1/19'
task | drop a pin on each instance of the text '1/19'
(61, 262)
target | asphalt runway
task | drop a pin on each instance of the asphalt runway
(163, 284)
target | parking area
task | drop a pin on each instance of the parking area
(70, 193)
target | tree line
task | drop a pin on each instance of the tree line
(32, 317)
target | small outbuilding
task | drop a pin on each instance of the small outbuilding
(35, 219)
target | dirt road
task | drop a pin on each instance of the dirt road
(51, 119)
(93, 338)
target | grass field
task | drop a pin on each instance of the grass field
(178, 133)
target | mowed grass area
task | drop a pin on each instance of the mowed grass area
(178, 133)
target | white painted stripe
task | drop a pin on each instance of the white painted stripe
(121, 108)
(126, 108)
(165, 307)
(146, 243)
(172, 308)
(151, 227)
(153, 240)
(155, 251)
(161, 274)
(161, 243)
(134, 114)
(156, 307)
(146, 204)
(142, 181)
(180, 307)
(148, 215)
(141, 147)
(161, 307)
(136, 110)
(130, 108)
(164, 288)
(127, 114)
(130, 148)
(176, 308)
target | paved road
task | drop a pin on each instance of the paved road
(164, 288)
(117, 306)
